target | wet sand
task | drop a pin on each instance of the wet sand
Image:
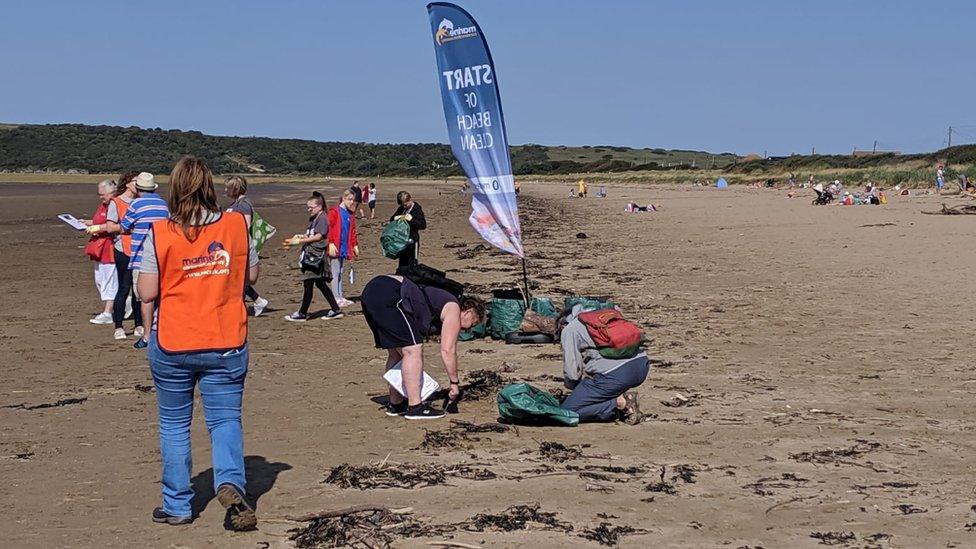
(821, 355)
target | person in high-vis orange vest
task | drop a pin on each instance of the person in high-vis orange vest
(125, 297)
(195, 265)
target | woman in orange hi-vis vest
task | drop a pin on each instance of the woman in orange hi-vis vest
(195, 265)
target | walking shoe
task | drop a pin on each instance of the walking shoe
(162, 517)
(422, 411)
(240, 514)
(140, 344)
(631, 412)
(332, 314)
(343, 302)
(259, 305)
(139, 331)
(394, 410)
(101, 318)
(119, 333)
(296, 317)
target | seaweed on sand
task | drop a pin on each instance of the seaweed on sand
(369, 527)
(516, 517)
(401, 475)
(607, 534)
(559, 452)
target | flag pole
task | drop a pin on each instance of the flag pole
(525, 279)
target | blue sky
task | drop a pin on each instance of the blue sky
(720, 76)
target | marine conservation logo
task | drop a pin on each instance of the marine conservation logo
(447, 33)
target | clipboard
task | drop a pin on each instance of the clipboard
(73, 221)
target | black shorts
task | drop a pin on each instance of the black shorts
(392, 328)
(372, 204)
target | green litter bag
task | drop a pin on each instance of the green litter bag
(506, 316)
(395, 238)
(589, 303)
(544, 306)
(525, 404)
(477, 331)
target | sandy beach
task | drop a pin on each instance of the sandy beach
(811, 372)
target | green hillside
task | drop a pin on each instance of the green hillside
(109, 149)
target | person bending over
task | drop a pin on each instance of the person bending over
(401, 315)
(601, 386)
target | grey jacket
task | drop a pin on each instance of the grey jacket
(580, 354)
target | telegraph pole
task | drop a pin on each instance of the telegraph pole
(950, 136)
(874, 149)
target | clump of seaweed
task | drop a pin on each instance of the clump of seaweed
(402, 475)
(831, 455)
(361, 526)
(516, 517)
(559, 453)
(607, 534)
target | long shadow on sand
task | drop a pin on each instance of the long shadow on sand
(260, 473)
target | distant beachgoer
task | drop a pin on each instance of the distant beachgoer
(372, 200)
(792, 179)
(315, 272)
(362, 206)
(810, 180)
(939, 178)
(601, 386)
(236, 188)
(572, 192)
(199, 340)
(343, 244)
(126, 302)
(601, 192)
(413, 214)
(146, 209)
(963, 182)
(357, 192)
(581, 188)
(518, 188)
(401, 316)
(100, 250)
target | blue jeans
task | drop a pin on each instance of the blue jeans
(221, 378)
(335, 265)
(595, 397)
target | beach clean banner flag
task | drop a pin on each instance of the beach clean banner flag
(469, 91)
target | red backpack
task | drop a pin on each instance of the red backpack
(614, 336)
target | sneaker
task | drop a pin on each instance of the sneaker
(240, 514)
(119, 333)
(296, 317)
(140, 344)
(139, 331)
(101, 318)
(259, 305)
(343, 302)
(332, 315)
(394, 410)
(422, 411)
(631, 412)
(162, 517)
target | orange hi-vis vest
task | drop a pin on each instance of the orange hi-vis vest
(201, 285)
(122, 206)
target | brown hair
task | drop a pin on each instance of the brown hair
(318, 199)
(476, 304)
(236, 184)
(347, 193)
(402, 197)
(124, 181)
(191, 194)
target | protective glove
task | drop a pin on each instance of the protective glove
(333, 251)
(94, 229)
(407, 217)
(355, 250)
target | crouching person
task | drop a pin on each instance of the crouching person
(401, 315)
(601, 386)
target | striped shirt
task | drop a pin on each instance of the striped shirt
(143, 211)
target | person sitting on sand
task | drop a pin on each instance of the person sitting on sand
(601, 386)
(401, 315)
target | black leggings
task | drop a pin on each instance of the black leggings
(409, 255)
(250, 292)
(310, 283)
(124, 292)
